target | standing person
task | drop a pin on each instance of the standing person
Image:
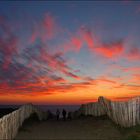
(64, 114)
(57, 114)
(69, 115)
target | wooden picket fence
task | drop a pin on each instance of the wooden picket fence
(125, 114)
(10, 123)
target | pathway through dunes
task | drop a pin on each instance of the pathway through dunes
(87, 128)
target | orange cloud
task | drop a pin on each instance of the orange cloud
(58, 90)
(89, 100)
(135, 78)
(104, 79)
(133, 87)
(123, 98)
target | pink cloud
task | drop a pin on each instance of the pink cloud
(46, 29)
(133, 54)
(77, 42)
(73, 44)
(131, 69)
(8, 43)
(50, 26)
(110, 50)
(33, 37)
(56, 62)
(87, 37)
(70, 74)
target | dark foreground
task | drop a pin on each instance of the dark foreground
(85, 128)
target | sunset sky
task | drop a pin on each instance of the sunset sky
(69, 52)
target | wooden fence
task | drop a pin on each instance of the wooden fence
(10, 123)
(94, 109)
(125, 114)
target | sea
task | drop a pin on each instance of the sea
(52, 108)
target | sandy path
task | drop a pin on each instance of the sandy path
(80, 129)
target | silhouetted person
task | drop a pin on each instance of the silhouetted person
(50, 115)
(57, 114)
(69, 115)
(64, 114)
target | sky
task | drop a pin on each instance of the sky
(69, 52)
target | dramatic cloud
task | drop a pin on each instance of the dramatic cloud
(49, 59)
(34, 69)
(85, 37)
(8, 43)
(110, 50)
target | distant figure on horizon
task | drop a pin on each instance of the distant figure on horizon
(50, 115)
(69, 115)
(57, 114)
(64, 114)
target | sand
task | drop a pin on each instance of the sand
(87, 128)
